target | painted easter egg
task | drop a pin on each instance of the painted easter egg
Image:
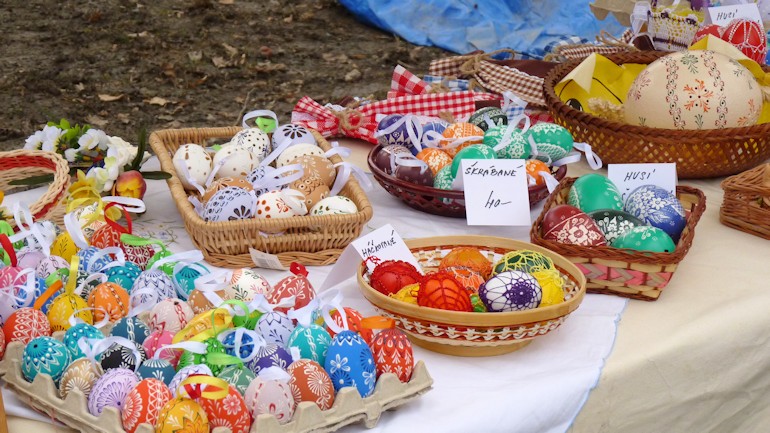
(192, 163)
(444, 180)
(107, 236)
(109, 298)
(459, 135)
(229, 412)
(274, 205)
(156, 368)
(435, 158)
(292, 132)
(441, 290)
(613, 223)
(553, 141)
(40, 287)
(44, 355)
(50, 265)
(183, 373)
(111, 390)
(234, 161)
(534, 168)
(270, 355)
(276, 327)
(487, 117)
(467, 277)
(75, 333)
(245, 284)
(123, 275)
(91, 262)
(391, 276)
(592, 192)
(26, 324)
(310, 382)
(295, 151)
(152, 286)
(123, 357)
(552, 284)
(710, 29)
(317, 166)
(156, 341)
(64, 306)
(254, 140)
(476, 151)
(313, 188)
(203, 325)
(418, 175)
(131, 328)
(64, 247)
(167, 267)
(387, 154)
(392, 353)
(749, 37)
(81, 374)
(170, 315)
(239, 343)
(646, 238)
(230, 204)
(658, 208)
(182, 415)
(312, 341)
(238, 377)
(270, 397)
(139, 255)
(512, 142)
(569, 225)
(199, 303)
(143, 404)
(354, 321)
(349, 362)
(336, 205)
(522, 260)
(468, 257)
(222, 183)
(387, 135)
(29, 258)
(511, 291)
(212, 346)
(296, 285)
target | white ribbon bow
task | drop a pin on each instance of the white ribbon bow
(347, 169)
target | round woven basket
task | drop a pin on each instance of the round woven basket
(440, 201)
(697, 153)
(22, 164)
(475, 334)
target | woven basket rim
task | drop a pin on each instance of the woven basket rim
(739, 182)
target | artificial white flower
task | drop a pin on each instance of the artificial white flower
(122, 151)
(71, 154)
(93, 138)
(105, 176)
(34, 141)
(51, 136)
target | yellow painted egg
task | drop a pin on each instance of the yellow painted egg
(63, 306)
(64, 247)
(182, 415)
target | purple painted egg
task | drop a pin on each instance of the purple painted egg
(111, 390)
(399, 135)
(271, 355)
(382, 159)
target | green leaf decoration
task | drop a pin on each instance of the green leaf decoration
(140, 151)
(156, 175)
(34, 180)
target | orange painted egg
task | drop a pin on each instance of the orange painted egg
(182, 415)
(441, 290)
(143, 404)
(435, 158)
(469, 278)
(106, 236)
(453, 136)
(199, 303)
(468, 257)
(230, 412)
(392, 353)
(26, 324)
(310, 382)
(353, 318)
(111, 298)
(534, 167)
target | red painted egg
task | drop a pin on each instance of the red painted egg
(391, 276)
(230, 412)
(711, 29)
(392, 353)
(296, 285)
(26, 324)
(441, 290)
(748, 37)
(310, 382)
(143, 404)
(106, 236)
(2, 345)
(9, 275)
(139, 255)
(569, 225)
(354, 318)
(111, 298)
(158, 339)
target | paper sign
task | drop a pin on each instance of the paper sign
(496, 192)
(628, 177)
(384, 243)
(722, 15)
(265, 260)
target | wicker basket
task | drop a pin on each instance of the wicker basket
(438, 201)
(746, 204)
(475, 334)
(310, 240)
(21, 164)
(623, 272)
(697, 153)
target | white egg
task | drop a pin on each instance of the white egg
(271, 205)
(228, 204)
(336, 205)
(297, 150)
(236, 162)
(294, 133)
(254, 140)
(192, 160)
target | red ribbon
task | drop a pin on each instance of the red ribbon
(298, 269)
(117, 227)
(8, 247)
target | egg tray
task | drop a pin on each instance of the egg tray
(310, 240)
(697, 153)
(624, 272)
(348, 408)
(439, 201)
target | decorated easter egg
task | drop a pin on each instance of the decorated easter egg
(254, 140)
(387, 135)
(569, 225)
(29, 258)
(212, 346)
(203, 325)
(467, 277)
(270, 355)
(310, 382)
(468, 257)
(183, 373)
(749, 37)
(646, 238)
(245, 284)
(123, 275)
(44, 355)
(274, 205)
(459, 135)
(418, 175)
(111, 390)
(230, 204)
(63, 246)
(199, 303)
(153, 368)
(312, 341)
(90, 261)
(487, 117)
(349, 362)
(534, 168)
(511, 291)
(192, 163)
(229, 412)
(435, 158)
(513, 143)
(296, 285)
(139, 255)
(152, 286)
(354, 321)
(120, 356)
(167, 267)
(109, 298)
(317, 166)
(222, 183)
(270, 397)
(240, 343)
(553, 141)
(131, 328)
(710, 29)
(234, 161)
(75, 333)
(170, 315)
(592, 192)
(184, 278)
(26, 324)
(143, 403)
(238, 377)
(444, 179)
(694, 89)
(276, 327)
(658, 208)
(292, 132)
(391, 276)
(156, 341)
(295, 151)
(81, 374)
(613, 223)
(255, 178)
(313, 188)
(523, 260)
(552, 284)
(106, 236)
(433, 130)
(441, 290)
(383, 158)
(49, 265)
(476, 151)
(392, 353)
(335, 205)
(9, 275)
(182, 415)
(64, 306)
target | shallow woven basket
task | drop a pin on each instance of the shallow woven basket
(742, 207)
(697, 153)
(439, 201)
(22, 164)
(310, 240)
(475, 334)
(628, 273)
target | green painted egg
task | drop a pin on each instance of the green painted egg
(212, 346)
(237, 376)
(614, 223)
(168, 268)
(476, 151)
(486, 115)
(444, 178)
(592, 192)
(517, 146)
(646, 238)
(312, 341)
(524, 261)
(552, 140)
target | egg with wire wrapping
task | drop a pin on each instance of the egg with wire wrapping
(441, 290)
(391, 276)
(511, 291)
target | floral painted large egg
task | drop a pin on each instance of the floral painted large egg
(183, 373)
(254, 140)
(441, 290)
(131, 328)
(64, 306)
(293, 133)
(192, 163)
(392, 353)
(335, 205)
(459, 135)
(152, 286)
(511, 291)
(44, 355)
(310, 382)
(109, 298)
(26, 324)
(646, 238)
(522, 260)
(182, 415)
(312, 341)
(354, 321)
(270, 355)
(276, 327)
(317, 166)
(75, 333)
(212, 346)
(296, 285)
(295, 151)
(658, 208)
(123, 275)
(111, 390)
(234, 161)
(391, 276)
(40, 287)
(313, 188)
(238, 377)
(592, 192)
(553, 141)
(694, 89)
(170, 315)
(613, 223)
(468, 257)
(81, 374)
(50, 265)
(245, 284)
(156, 341)
(270, 397)
(156, 368)
(230, 204)
(435, 158)
(514, 143)
(230, 412)
(749, 37)
(349, 362)
(143, 404)
(569, 225)
(120, 356)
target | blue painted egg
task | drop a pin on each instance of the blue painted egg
(158, 368)
(349, 362)
(20, 291)
(312, 341)
(186, 372)
(44, 355)
(86, 257)
(131, 328)
(275, 327)
(511, 291)
(111, 390)
(75, 333)
(436, 127)
(124, 275)
(658, 208)
(239, 343)
(184, 279)
(399, 136)
(270, 355)
(159, 285)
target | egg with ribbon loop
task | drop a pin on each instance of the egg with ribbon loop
(435, 158)
(229, 412)
(200, 303)
(276, 327)
(488, 117)
(513, 143)
(280, 204)
(184, 373)
(182, 414)
(254, 140)
(349, 362)
(270, 397)
(171, 315)
(167, 267)
(131, 328)
(292, 132)
(108, 235)
(152, 286)
(108, 300)
(296, 285)
(234, 161)
(317, 166)
(124, 275)
(414, 171)
(477, 151)
(240, 343)
(553, 141)
(354, 321)
(143, 403)
(44, 355)
(157, 368)
(50, 265)
(64, 306)
(659, 208)
(312, 188)
(81, 374)
(312, 341)
(511, 291)
(63, 246)
(310, 382)
(111, 390)
(75, 333)
(190, 358)
(459, 135)
(184, 278)
(295, 151)
(89, 259)
(156, 341)
(388, 154)
(397, 129)
(245, 284)
(269, 355)
(238, 377)
(205, 325)
(192, 163)
(230, 204)
(29, 257)
(120, 356)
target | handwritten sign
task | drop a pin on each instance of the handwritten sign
(496, 192)
(628, 177)
(722, 15)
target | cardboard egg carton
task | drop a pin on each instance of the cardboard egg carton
(348, 408)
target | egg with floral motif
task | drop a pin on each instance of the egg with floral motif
(120, 356)
(143, 404)
(111, 390)
(349, 362)
(229, 412)
(81, 374)
(294, 133)
(310, 382)
(212, 346)
(50, 265)
(156, 368)
(317, 166)
(459, 135)
(313, 188)
(245, 284)
(274, 205)
(658, 208)
(296, 285)
(64, 306)
(354, 322)
(123, 275)
(276, 327)
(75, 333)
(392, 353)
(44, 355)
(152, 286)
(184, 372)
(335, 205)
(270, 397)
(222, 183)
(234, 161)
(108, 300)
(270, 355)
(182, 415)
(230, 204)
(199, 303)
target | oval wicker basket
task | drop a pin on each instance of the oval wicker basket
(697, 153)
(439, 201)
(475, 334)
(21, 164)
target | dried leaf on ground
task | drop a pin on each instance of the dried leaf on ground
(231, 50)
(157, 100)
(220, 62)
(109, 98)
(226, 2)
(96, 120)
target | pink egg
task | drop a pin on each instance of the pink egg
(158, 339)
(270, 397)
(170, 315)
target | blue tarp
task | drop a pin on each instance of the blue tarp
(526, 26)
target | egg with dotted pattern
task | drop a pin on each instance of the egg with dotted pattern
(310, 382)
(254, 140)
(111, 390)
(234, 161)
(317, 166)
(196, 161)
(26, 324)
(335, 205)
(109, 298)
(313, 188)
(349, 362)
(230, 204)
(44, 355)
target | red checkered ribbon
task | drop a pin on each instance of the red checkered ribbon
(406, 83)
